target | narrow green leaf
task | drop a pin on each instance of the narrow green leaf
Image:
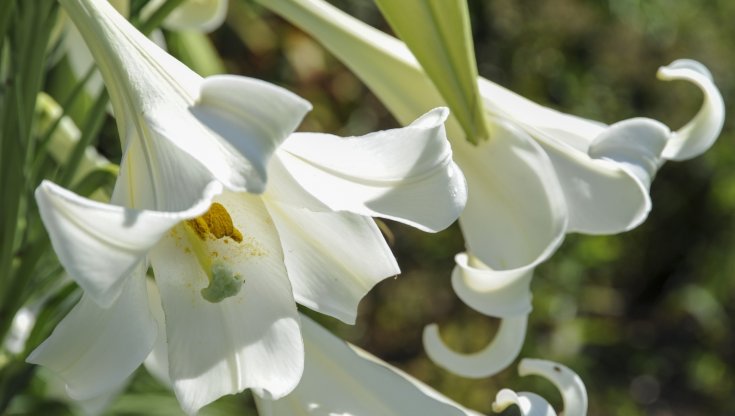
(439, 35)
(97, 179)
(196, 51)
(6, 12)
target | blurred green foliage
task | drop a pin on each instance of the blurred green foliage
(645, 318)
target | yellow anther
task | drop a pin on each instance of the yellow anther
(216, 223)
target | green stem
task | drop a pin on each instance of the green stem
(92, 126)
(156, 19)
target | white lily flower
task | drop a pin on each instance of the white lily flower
(541, 174)
(571, 387)
(184, 138)
(228, 278)
(595, 177)
(228, 264)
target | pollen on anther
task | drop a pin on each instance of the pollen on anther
(216, 223)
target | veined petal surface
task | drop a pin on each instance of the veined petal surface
(99, 244)
(340, 379)
(249, 118)
(404, 174)
(333, 258)
(95, 349)
(249, 340)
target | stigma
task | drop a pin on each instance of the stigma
(212, 226)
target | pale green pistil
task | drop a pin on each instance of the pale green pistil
(215, 224)
(223, 283)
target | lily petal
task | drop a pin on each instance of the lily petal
(498, 293)
(700, 133)
(333, 258)
(404, 174)
(341, 379)
(574, 131)
(515, 214)
(250, 118)
(607, 190)
(249, 340)
(504, 294)
(157, 175)
(157, 361)
(572, 388)
(492, 359)
(95, 349)
(530, 404)
(99, 244)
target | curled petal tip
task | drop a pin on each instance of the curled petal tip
(529, 404)
(667, 72)
(700, 133)
(635, 144)
(489, 361)
(571, 386)
(498, 293)
(433, 118)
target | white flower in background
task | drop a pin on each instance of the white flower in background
(540, 175)
(571, 387)
(228, 263)
(20, 330)
(198, 15)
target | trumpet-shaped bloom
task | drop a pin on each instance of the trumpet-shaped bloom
(541, 174)
(227, 262)
(228, 277)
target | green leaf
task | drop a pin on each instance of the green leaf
(196, 51)
(381, 61)
(439, 35)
